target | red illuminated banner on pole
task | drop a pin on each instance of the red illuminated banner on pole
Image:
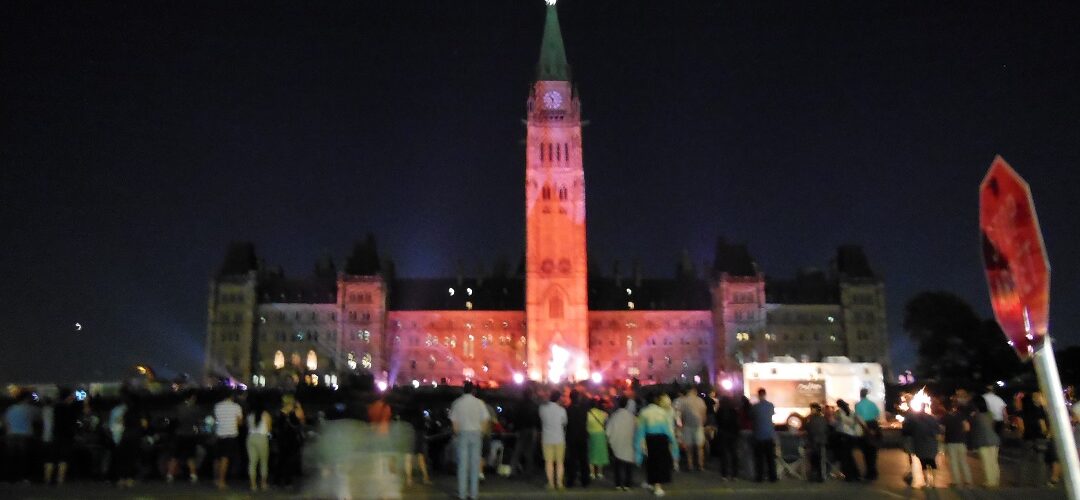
(1015, 258)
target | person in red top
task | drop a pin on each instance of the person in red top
(379, 414)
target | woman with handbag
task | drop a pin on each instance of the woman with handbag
(598, 444)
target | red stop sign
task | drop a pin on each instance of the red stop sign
(1015, 258)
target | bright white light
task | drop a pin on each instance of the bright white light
(900, 418)
(78, 327)
(326, 379)
(468, 291)
(279, 360)
(312, 360)
(416, 384)
(519, 378)
(434, 384)
(1001, 383)
(697, 379)
(468, 373)
(630, 305)
(451, 292)
(831, 319)
(629, 291)
(921, 402)
(557, 364)
(581, 374)
(381, 385)
(468, 305)
(726, 384)
(551, 2)
(597, 377)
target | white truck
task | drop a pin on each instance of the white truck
(791, 386)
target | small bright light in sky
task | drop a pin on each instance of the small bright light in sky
(78, 327)
(551, 2)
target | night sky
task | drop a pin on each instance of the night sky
(137, 139)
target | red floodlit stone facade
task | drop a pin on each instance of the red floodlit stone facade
(549, 320)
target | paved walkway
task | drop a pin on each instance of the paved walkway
(890, 486)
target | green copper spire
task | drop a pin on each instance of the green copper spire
(553, 65)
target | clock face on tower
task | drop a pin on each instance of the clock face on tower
(552, 100)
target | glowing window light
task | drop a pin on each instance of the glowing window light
(366, 361)
(312, 360)
(468, 305)
(630, 305)
(279, 360)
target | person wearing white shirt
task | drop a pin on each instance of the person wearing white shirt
(227, 417)
(997, 407)
(470, 417)
(553, 440)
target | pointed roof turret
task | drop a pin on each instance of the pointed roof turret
(552, 65)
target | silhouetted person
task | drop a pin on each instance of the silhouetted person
(288, 438)
(189, 421)
(764, 438)
(526, 425)
(61, 442)
(577, 441)
(727, 437)
(19, 421)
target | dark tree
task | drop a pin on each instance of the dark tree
(955, 346)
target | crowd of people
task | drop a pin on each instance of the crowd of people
(580, 432)
(134, 439)
(979, 423)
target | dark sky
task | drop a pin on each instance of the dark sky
(138, 138)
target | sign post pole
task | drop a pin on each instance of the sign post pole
(1018, 274)
(1050, 384)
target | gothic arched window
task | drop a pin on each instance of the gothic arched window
(555, 308)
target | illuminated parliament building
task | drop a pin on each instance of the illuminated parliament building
(552, 318)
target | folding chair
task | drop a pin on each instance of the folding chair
(791, 459)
